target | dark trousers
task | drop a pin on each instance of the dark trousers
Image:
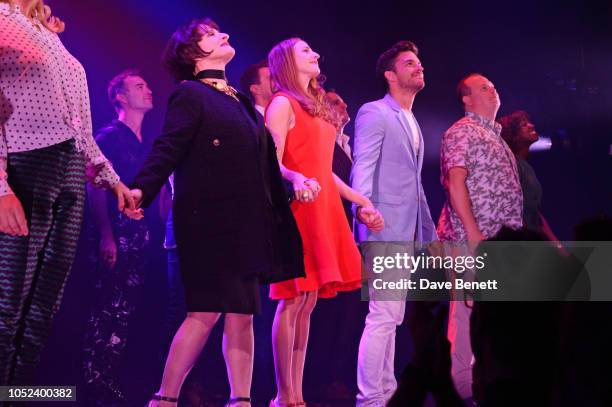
(116, 296)
(49, 182)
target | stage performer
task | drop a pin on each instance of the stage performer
(519, 133)
(119, 258)
(46, 152)
(389, 150)
(304, 131)
(479, 174)
(230, 211)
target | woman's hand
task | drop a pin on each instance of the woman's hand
(12, 217)
(136, 212)
(306, 189)
(370, 216)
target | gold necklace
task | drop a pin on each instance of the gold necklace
(227, 89)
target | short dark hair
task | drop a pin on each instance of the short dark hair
(511, 125)
(251, 77)
(182, 48)
(117, 85)
(386, 61)
(463, 89)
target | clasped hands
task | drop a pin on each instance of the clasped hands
(13, 220)
(371, 217)
(128, 201)
(134, 212)
(305, 189)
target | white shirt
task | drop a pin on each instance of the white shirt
(260, 109)
(414, 129)
(45, 97)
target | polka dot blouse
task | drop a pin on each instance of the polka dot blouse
(44, 98)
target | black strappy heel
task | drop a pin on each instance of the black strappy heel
(237, 400)
(157, 397)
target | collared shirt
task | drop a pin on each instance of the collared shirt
(45, 99)
(493, 185)
(123, 149)
(343, 141)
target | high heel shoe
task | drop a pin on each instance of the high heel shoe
(237, 400)
(157, 397)
(273, 403)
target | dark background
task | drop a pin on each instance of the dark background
(550, 58)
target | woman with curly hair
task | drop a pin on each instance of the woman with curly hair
(46, 151)
(302, 124)
(519, 133)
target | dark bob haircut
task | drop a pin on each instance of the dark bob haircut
(183, 50)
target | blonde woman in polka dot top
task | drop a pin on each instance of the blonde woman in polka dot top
(46, 152)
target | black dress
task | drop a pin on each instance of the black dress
(232, 221)
(532, 195)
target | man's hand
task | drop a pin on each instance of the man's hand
(12, 216)
(435, 248)
(372, 218)
(474, 238)
(108, 251)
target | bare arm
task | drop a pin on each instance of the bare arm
(547, 230)
(279, 120)
(350, 194)
(366, 213)
(460, 200)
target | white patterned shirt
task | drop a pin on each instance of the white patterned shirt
(44, 98)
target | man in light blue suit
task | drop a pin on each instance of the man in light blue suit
(388, 157)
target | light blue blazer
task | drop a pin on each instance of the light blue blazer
(388, 172)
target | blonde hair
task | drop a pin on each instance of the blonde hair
(284, 75)
(42, 13)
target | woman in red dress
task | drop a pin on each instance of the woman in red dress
(302, 125)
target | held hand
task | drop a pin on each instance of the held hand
(136, 213)
(12, 216)
(436, 248)
(108, 252)
(372, 218)
(306, 189)
(474, 239)
(124, 198)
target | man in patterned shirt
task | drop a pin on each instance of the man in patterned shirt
(479, 174)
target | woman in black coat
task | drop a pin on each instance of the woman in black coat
(230, 211)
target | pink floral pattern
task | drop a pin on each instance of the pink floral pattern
(474, 143)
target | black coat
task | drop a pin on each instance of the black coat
(231, 213)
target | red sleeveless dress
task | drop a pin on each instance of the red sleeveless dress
(331, 258)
